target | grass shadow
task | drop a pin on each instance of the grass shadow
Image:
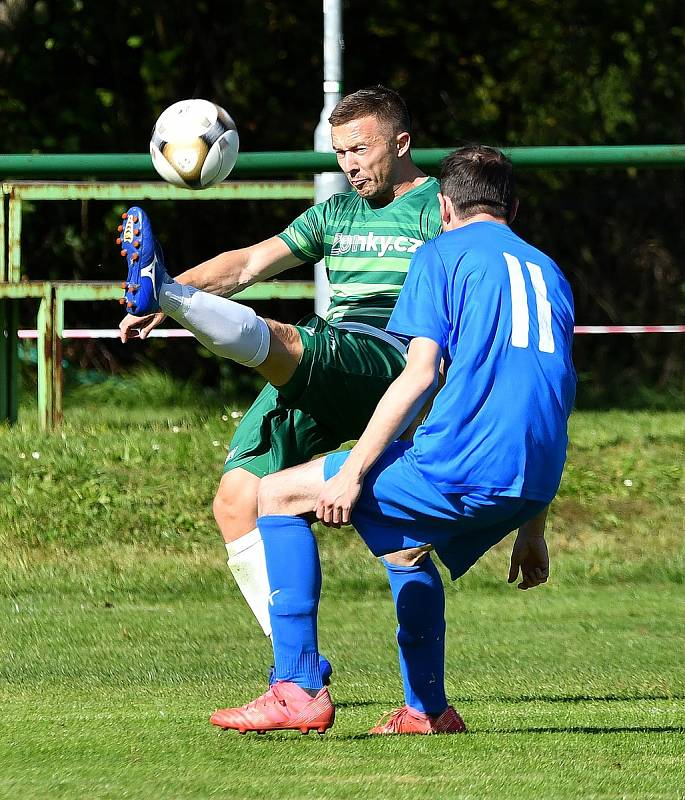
(579, 698)
(590, 729)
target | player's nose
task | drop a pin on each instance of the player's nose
(350, 164)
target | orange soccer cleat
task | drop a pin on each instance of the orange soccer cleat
(410, 721)
(284, 707)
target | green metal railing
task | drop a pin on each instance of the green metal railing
(307, 162)
(51, 296)
(18, 192)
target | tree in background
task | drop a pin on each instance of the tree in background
(83, 77)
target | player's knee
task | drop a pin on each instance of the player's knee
(221, 507)
(411, 557)
(416, 635)
(235, 504)
(285, 353)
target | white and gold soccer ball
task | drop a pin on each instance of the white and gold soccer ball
(194, 144)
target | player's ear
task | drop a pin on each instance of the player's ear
(446, 210)
(402, 142)
(514, 211)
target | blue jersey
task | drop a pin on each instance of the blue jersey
(502, 313)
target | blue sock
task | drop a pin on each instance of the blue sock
(292, 564)
(420, 604)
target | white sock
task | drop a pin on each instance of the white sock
(226, 328)
(247, 563)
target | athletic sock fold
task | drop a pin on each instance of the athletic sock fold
(174, 298)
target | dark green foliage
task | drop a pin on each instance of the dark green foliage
(89, 77)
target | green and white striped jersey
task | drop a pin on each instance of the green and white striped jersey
(366, 250)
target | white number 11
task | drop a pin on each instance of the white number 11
(520, 322)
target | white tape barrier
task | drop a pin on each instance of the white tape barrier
(180, 333)
(629, 329)
(108, 333)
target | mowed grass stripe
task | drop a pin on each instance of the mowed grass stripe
(109, 502)
(140, 706)
(129, 716)
(121, 631)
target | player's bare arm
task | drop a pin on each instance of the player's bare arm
(234, 270)
(408, 434)
(529, 554)
(224, 274)
(396, 410)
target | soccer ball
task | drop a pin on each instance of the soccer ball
(194, 144)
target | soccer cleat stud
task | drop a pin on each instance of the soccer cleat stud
(145, 262)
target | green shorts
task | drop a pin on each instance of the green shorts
(329, 400)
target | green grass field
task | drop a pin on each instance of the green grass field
(120, 631)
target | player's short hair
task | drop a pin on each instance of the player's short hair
(479, 180)
(374, 101)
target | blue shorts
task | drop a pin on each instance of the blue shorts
(399, 509)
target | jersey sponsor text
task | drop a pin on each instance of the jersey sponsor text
(344, 243)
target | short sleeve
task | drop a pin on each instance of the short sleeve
(422, 307)
(305, 234)
(430, 223)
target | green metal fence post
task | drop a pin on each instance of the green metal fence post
(12, 313)
(3, 361)
(13, 341)
(14, 236)
(9, 343)
(45, 325)
(9, 360)
(57, 371)
(3, 240)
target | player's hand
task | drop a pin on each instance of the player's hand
(530, 556)
(337, 499)
(132, 327)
